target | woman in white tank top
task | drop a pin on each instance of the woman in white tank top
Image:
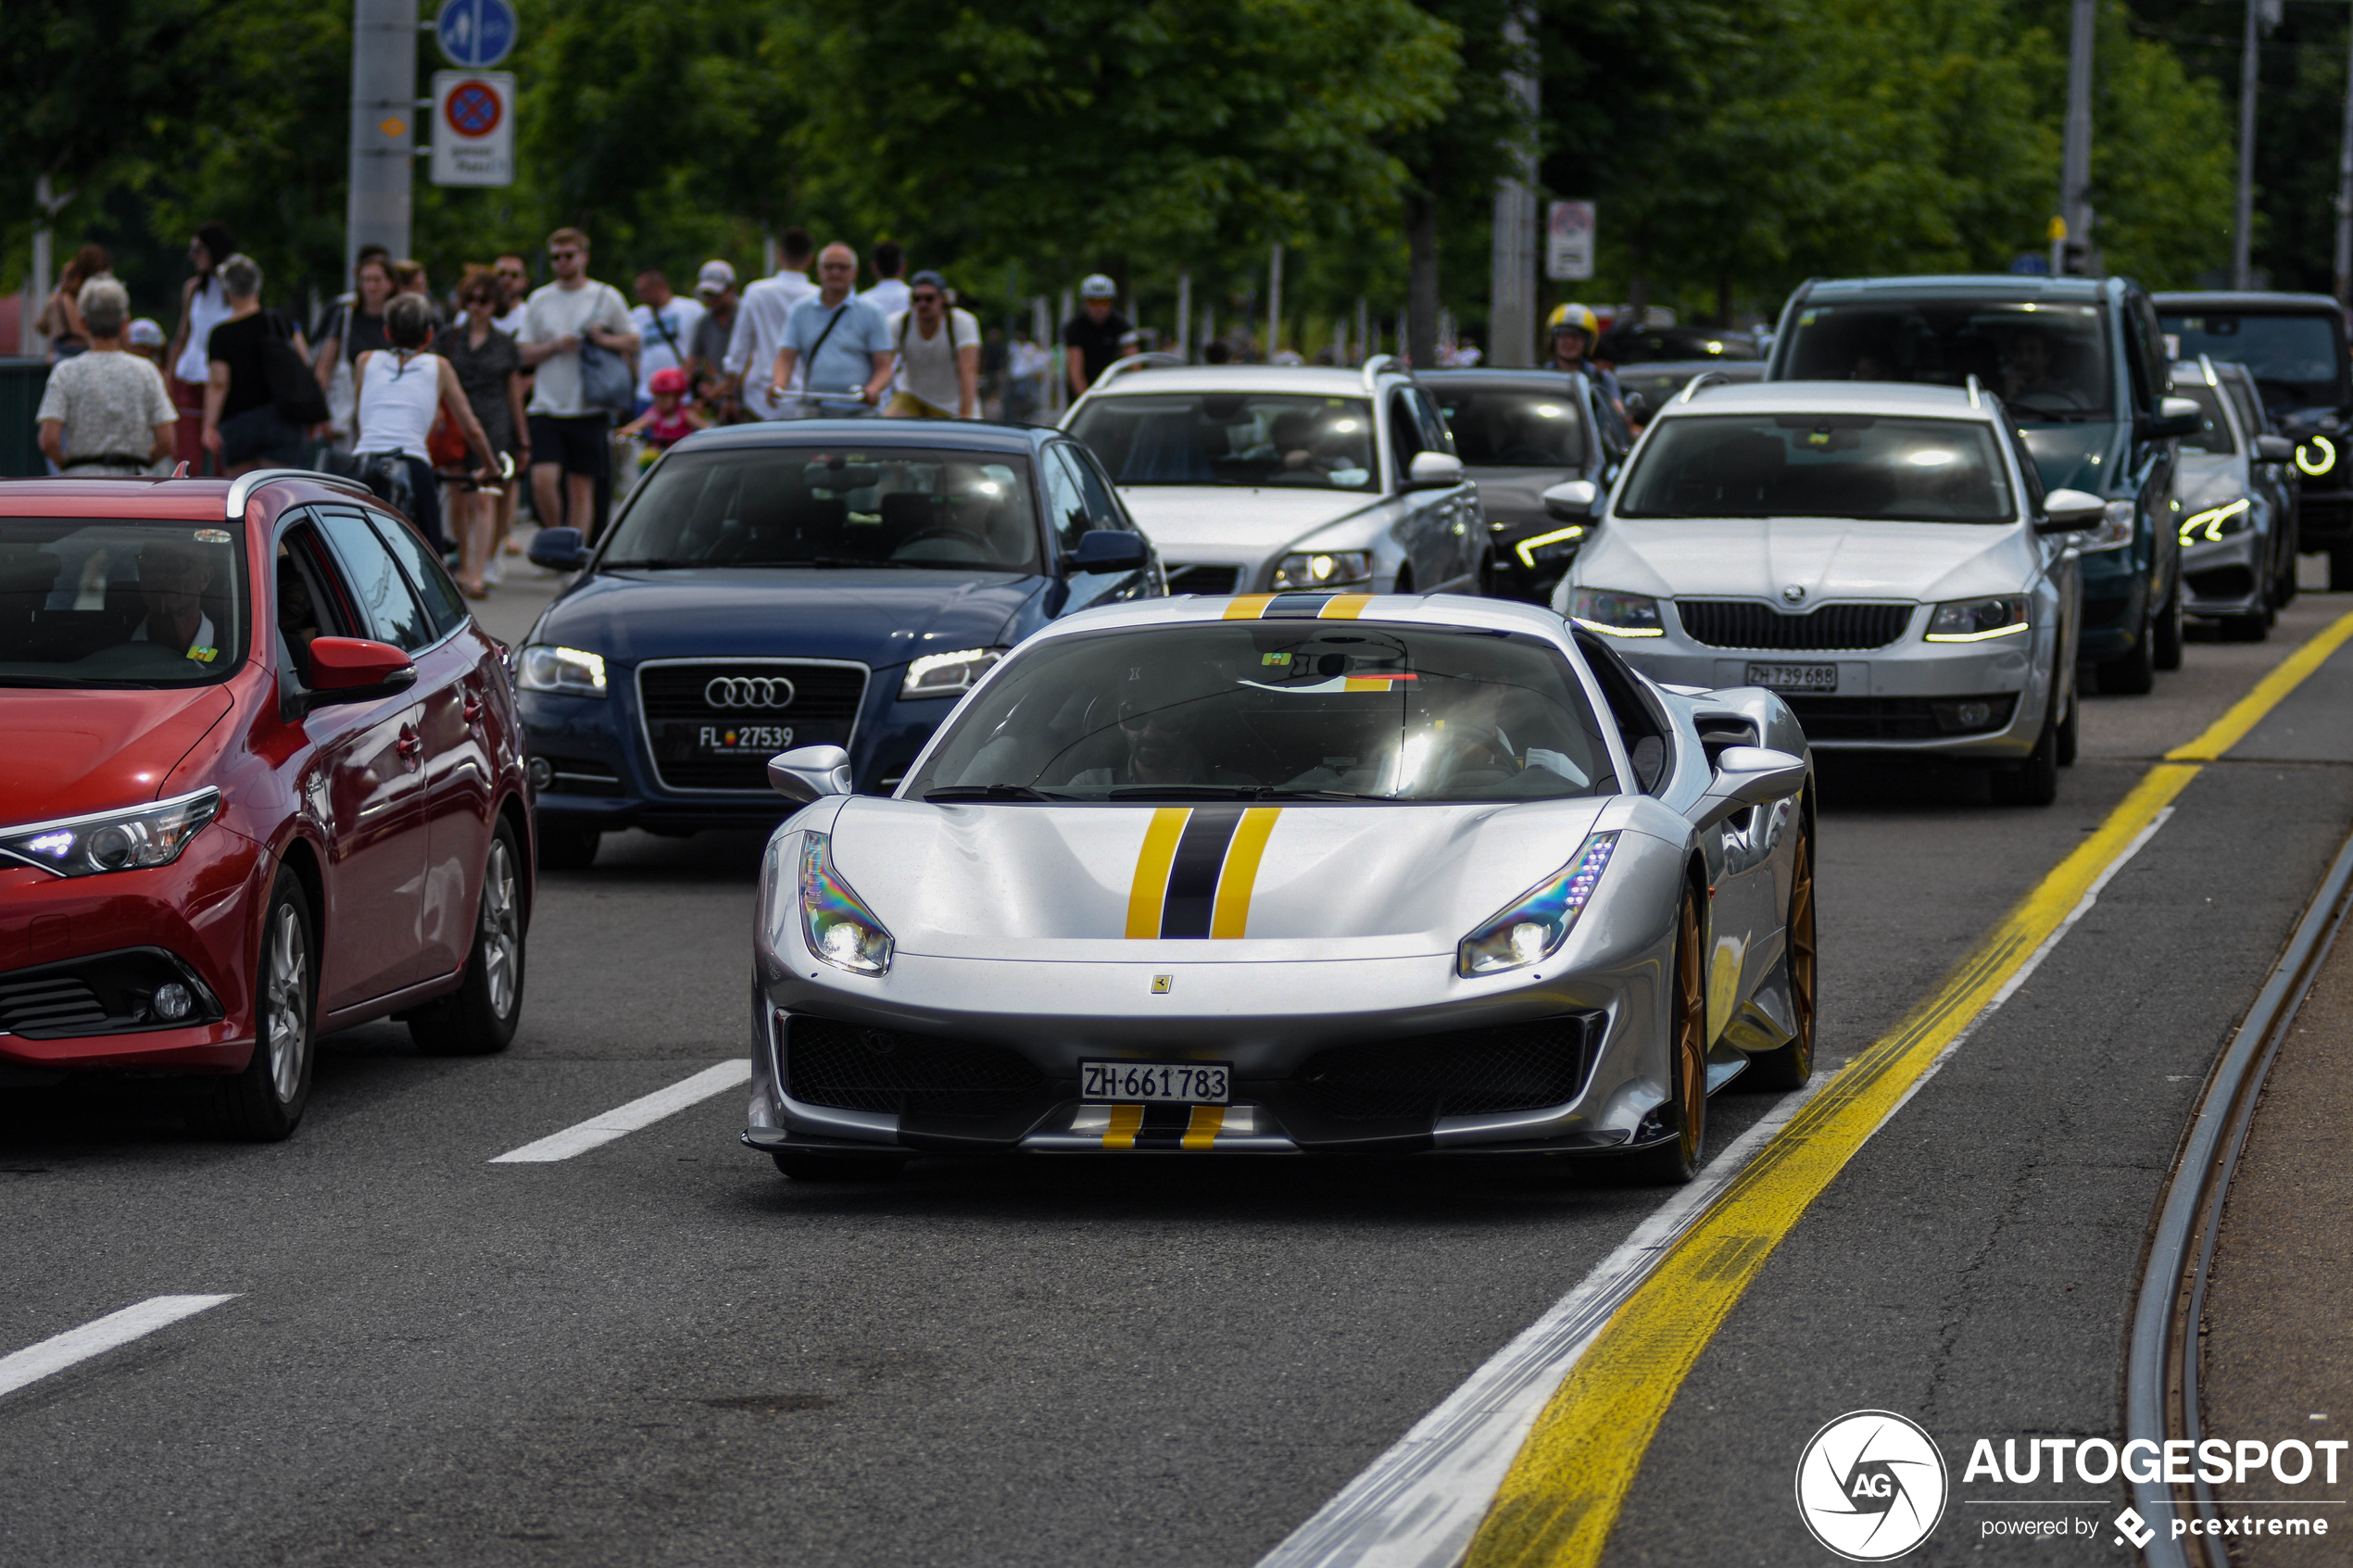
(400, 389)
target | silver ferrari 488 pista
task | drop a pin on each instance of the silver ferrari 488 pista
(1292, 873)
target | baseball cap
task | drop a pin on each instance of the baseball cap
(927, 279)
(144, 333)
(1098, 286)
(714, 276)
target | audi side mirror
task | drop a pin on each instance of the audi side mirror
(558, 549)
(348, 670)
(2274, 449)
(1108, 550)
(810, 772)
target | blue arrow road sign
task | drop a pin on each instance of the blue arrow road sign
(475, 33)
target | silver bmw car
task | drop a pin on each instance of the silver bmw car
(1292, 872)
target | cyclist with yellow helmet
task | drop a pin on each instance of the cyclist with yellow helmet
(1574, 331)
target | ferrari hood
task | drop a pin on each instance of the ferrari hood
(1188, 522)
(878, 616)
(74, 752)
(1751, 557)
(1291, 882)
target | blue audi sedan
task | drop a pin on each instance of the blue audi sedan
(807, 582)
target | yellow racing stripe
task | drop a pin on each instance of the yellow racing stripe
(1231, 916)
(1344, 607)
(1201, 1131)
(1149, 889)
(1125, 1121)
(1248, 607)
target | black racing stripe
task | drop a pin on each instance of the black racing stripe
(1192, 879)
(1164, 1126)
(1296, 607)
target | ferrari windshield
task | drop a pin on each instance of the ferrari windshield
(107, 602)
(1497, 427)
(2047, 361)
(1288, 439)
(1818, 465)
(1273, 709)
(832, 505)
(2297, 359)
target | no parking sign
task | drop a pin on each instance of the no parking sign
(473, 128)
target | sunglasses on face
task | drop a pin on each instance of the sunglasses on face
(564, 256)
(925, 298)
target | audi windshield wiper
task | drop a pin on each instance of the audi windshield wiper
(990, 792)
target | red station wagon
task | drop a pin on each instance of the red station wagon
(260, 778)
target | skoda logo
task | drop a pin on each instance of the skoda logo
(748, 691)
(1870, 1486)
(1795, 593)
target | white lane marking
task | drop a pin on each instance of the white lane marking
(36, 1362)
(625, 1119)
(1419, 1504)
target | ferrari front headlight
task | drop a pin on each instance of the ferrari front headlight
(2203, 528)
(1533, 928)
(1976, 621)
(573, 671)
(834, 919)
(1617, 615)
(128, 840)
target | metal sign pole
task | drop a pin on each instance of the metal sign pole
(2345, 190)
(384, 114)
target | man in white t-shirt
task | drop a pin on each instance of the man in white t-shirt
(760, 328)
(665, 325)
(889, 295)
(568, 438)
(513, 273)
(939, 351)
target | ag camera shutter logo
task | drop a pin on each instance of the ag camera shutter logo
(1871, 1486)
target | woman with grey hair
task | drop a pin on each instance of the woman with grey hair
(242, 425)
(104, 411)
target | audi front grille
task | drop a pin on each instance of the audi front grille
(1742, 623)
(710, 726)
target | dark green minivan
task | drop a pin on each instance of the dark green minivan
(2081, 364)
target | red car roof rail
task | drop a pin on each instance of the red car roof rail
(241, 489)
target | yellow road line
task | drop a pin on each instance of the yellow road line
(1562, 1496)
(1153, 861)
(1230, 914)
(2249, 711)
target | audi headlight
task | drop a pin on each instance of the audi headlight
(1532, 929)
(1976, 621)
(947, 674)
(835, 921)
(2115, 530)
(2315, 455)
(114, 841)
(1544, 548)
(1324, 568)
(573, 671)
(1618, 615)
(2215, 522)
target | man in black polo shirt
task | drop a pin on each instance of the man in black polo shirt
(1097, 335)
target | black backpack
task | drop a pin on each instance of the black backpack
(294, 389)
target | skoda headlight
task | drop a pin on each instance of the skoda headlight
(2115, 530)
(1535, 926)
(947, 674)
(113, 841)
(1975, 620)
(835, 921)
(2203, 528)
(1324, 568)
(1618, 615)
(573, 671)
(1544, 548)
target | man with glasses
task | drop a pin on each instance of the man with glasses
(841, 340)
(759, 326)
(939, 353)
(568, 445)
(514, 284)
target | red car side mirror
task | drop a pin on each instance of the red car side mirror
(355, 670)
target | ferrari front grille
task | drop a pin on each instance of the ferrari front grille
(1467, 1073)
(1740, 623)
(857, 1066)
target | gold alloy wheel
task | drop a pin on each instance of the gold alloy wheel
(1801, 957)
(1690, 1037)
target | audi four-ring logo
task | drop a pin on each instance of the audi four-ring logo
(748, 691)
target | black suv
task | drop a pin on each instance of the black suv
(2081, 364)
(2295, 345)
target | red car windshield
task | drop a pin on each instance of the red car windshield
(112, 602)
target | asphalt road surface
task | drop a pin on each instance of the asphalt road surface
(661, 1351)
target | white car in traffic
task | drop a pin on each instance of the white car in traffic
(1881, 554)
(1257, 479)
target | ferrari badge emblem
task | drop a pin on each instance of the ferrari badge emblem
(1160, 983)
